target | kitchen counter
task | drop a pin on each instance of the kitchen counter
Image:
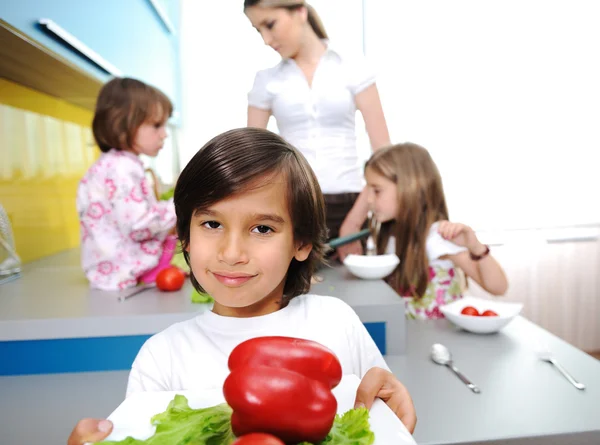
(523, 400)
(51, 321)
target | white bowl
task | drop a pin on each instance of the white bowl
(478, 324)
(371, 267)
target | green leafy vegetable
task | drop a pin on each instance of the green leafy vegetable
(351, 429)
(198, 297)
(182, 425)
(167, 195)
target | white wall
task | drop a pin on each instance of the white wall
(506, 95)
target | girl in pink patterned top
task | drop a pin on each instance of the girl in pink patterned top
(124, 229)
(405, 191)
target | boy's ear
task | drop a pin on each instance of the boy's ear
(303, 251)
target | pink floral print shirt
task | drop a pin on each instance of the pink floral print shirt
(122, 224)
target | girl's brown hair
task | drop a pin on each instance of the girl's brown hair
(313, 18)
(123, 105)
(231, 162)
(421, 202)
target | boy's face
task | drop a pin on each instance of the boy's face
(241, 247)
(382, 196)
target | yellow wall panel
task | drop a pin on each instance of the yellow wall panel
(46, 145)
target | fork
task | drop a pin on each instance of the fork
(546, 355)
(374, 227)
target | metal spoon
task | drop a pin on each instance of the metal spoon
(441, 355)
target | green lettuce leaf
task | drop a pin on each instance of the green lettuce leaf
(198, 297)
(182, 425)
(167, 195)
(351, 429)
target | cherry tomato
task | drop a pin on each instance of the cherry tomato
(470, 310)
(258, 439)
(489, 313)
(306, 357)
(281, 402)
(170, 279)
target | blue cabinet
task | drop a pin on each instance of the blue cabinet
(129, 34)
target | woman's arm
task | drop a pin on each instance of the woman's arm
(258, 117)
(369, 104)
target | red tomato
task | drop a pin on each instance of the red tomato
(258, 439)
(306, 357)
(170, 279)
(281, 402)
(470, 310)
(489, 313)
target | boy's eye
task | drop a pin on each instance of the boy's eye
(263, 230)
(158, 125)
(270, 25)
(211, 224)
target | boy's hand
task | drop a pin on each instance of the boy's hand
(90, 430)
(380, 383)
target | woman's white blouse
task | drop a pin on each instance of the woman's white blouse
(318, 119)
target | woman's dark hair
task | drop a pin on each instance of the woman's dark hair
(231, 162)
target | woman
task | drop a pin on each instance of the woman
(314, 93)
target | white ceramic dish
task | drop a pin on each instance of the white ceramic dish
(481, 325)
(132, 417)
(371, 267)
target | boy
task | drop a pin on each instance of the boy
(251, 220)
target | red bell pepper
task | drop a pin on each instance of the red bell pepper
(282, 386)
(258, 439)
(307, 357)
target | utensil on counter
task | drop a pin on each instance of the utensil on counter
(374, 228)
(128, 293)
(441, 355)
(546, 355)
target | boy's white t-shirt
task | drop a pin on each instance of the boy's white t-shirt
(193, 354)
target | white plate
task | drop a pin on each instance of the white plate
(481, 325)
(132, 417)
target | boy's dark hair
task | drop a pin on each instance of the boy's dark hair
(123, 105)
(228, 164)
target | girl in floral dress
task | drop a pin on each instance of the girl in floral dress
(125, 231)
(406, 194)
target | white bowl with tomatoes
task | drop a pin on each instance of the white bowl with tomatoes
(481, 316)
